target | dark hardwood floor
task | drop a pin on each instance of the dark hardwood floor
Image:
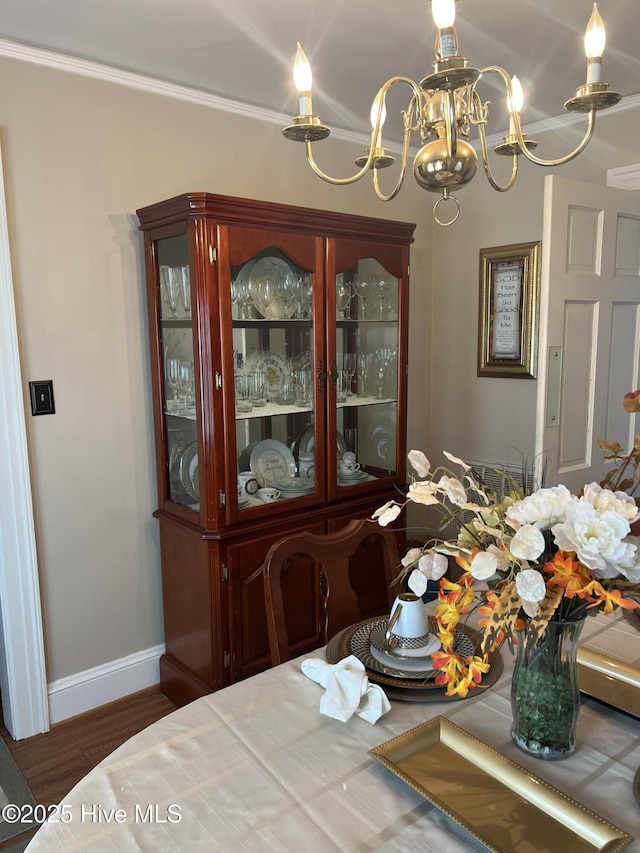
(52, 763)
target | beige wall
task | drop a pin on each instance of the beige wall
(80, 156)
(489, 418)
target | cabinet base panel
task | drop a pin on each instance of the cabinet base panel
(179, 684)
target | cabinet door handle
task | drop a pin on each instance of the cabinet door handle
(321, 374)
(333, 373)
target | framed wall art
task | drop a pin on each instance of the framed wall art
(508, 317)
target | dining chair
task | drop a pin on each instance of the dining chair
(333, 558)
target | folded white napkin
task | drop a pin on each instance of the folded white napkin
(347, 689)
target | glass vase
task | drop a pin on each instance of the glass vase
(545, 697)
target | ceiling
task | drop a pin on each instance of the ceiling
(244, 50)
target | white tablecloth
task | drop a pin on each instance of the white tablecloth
(255, 767)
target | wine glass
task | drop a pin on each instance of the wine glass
(266, 294)
(364, 362)
(245, 299)
(343, 296)
(349, 365)
(170, 279)
(173, 380)
(362, 288)
(306, 295)
(185, 378)
(185, 287)
(381, 286)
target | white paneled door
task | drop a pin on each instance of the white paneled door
(589, 343)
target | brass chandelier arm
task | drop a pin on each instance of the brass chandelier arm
(560, 160)
(502, 188)
(514, 116)
(403, 169)
(414, 105)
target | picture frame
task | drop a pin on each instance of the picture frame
(509, 310)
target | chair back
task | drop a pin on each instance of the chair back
(330, 554)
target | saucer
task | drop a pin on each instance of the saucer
(415, 668)
(418, 650)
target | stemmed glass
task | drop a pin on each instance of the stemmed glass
(363, 371)
(349, 366)
(170, 281)
(362, 288)
(383, 287)
(343, 296)
(185, 379)
(306, 295)
(185, 283)
(244, 299)
(173, 380)
(266, 294)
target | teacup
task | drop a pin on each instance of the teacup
(408, 622)
(348, 467)
(248, 482)
(267, 495)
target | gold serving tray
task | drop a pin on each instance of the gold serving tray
(612, 681)
(498, 802)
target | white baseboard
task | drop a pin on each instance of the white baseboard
(92, 688)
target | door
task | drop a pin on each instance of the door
(589, 346)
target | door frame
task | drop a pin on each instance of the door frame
(23, 679)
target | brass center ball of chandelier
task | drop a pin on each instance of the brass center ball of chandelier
(434, 169)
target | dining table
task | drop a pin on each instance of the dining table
(256, 767)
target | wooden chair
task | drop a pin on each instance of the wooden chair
(331, 556)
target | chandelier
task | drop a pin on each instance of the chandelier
(443, 109)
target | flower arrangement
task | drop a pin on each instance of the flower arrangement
(549, 555)
(625, 475)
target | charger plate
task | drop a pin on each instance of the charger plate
(355, 640)
(495, 800)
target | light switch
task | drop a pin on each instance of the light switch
(42, 397)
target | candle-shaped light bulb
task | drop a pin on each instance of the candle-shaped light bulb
(378, 107)
(444, 15)
(302, 79)
(514, 103)
(594, 42)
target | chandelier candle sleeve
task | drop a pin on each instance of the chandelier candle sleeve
(442, 111)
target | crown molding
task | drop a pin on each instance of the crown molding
(155, 86)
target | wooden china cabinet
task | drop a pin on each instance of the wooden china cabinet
(278, 351)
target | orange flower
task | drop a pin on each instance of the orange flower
(568, 574)
(608, 599)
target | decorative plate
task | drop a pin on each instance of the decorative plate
(354, 477)
(396, 668)
(277, 270)
(307, 441)
(275, 366)
(186, 457)
(355, 640)
(270, 461)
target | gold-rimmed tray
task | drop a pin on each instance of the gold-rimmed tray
(612, 681)
(354, 640)
(494, 799)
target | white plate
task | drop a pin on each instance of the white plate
(276, 269)
(353, 478)
(275, 366)
(270, 461)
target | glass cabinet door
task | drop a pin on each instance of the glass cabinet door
(178, 386)
(275, 371)
(365, 374)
